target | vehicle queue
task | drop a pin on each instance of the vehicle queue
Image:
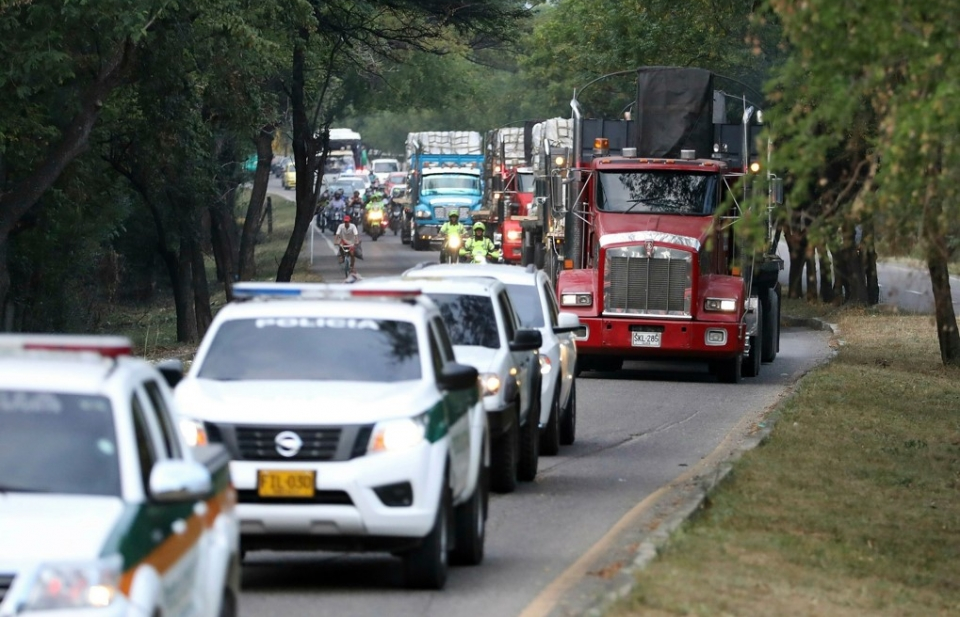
(468, 378)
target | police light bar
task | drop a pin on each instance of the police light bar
(106, 346)
(314, 291)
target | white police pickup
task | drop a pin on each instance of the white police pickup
(104, 510)
(485, 332)
(536, 305)
(350, 425)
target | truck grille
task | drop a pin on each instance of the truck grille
(6, 580)
(647, 280)
(443, 212)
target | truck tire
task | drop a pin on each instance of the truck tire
(503, 467)
(530, 442)
(470, 523)
(550, 437)
(568, 418)
(425, 567)
(771, 326)
(751, 361)
(729, 370)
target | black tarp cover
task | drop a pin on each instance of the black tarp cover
(674, 112)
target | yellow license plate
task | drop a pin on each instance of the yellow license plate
(283, 483)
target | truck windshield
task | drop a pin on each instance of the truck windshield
(657, 192)
(57, 443)
(525, 182)
(450, 183)
(470, 320)
(314, 349)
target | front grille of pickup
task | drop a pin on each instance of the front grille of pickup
(260, 443)
(6, 580)
(638, 284)
(324, 498)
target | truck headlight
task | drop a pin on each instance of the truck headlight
(513, 235)
(93, 584)
(490, 383)
(720, 305)
(194, 432)
(576, 299)
(423, 214)
(398, 434)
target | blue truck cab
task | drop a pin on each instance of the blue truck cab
(443, 183)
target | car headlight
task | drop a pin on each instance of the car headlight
(423, 214)
(194, 432)
(720, 305)
(376, 214)
(490, 383)
(93, 584)
(576, 299)
(398, 434)
(514, 235)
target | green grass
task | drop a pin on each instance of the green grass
(153, 327)
(850, 508)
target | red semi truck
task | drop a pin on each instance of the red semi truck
(644, 253)
(510, 189)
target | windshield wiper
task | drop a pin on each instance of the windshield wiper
(637, 202)
(19, 489)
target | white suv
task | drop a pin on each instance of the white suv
(350, 424)
(536, 304)
(486, 333)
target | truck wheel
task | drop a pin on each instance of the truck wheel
(228, 604)
(503, 469)
(470, 523)
(729, 370)
(568, 418)
(426, 566)
(550, 437)
(530, 442)
(751, 361)
(771, 327)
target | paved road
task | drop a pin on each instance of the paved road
(906, 287)
(638, 431)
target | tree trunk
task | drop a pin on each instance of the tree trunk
(868, 261)
(826, 274)
(810, 263)
(6, 301)
(222, 227)
(201, 290)
(251, 224)
(797, 247)
(947, 334)
(183, 293)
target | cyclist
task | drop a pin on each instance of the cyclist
(347, 238)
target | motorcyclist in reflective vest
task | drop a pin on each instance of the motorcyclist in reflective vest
(479, 244)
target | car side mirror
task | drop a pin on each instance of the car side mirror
(526, 340)
(177, 481)
(566, 322)
(172, 371)
(455, 376)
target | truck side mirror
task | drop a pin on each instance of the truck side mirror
(776, 190)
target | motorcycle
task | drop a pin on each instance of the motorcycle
(480, 256)
(375, 223)
(450, 251)
(334, 218)
(396, 218)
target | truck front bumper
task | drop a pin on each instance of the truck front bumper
(679, 339)
(428, 232)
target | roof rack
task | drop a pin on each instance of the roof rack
(316, 291)
(106, 346)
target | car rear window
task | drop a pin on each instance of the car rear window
(526, 302)
(57, 443)
(315, 349)
(470, 319)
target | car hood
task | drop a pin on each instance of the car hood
(43, 528)
(481, 358)
(301, 402)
